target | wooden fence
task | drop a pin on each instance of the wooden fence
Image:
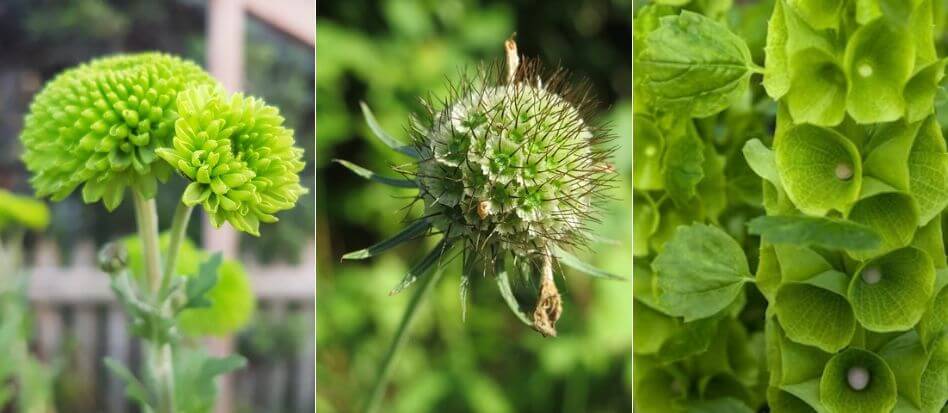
(75, 311)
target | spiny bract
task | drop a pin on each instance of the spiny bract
(100, 123)
(511, 165)
(239, 158)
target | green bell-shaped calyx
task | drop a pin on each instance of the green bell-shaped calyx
(858, 381)
(100, 124)
(819, 168)
(237, 155)
(890, 293)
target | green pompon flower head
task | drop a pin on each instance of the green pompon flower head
(510, 167)
(238, 156)
(99, 125)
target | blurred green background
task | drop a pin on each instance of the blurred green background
(388, 53)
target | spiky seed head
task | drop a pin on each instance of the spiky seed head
(99, 124)
(512, 165)
(240, 160)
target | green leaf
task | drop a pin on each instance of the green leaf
(199, 285)
(890, 293)
(506, 292)
(777, 71)
(891, 215)
(815, 315)
(879, 59)
(571, 261)
(648, 151)
(367, 174)
(817, 93)
(134, 388)
(761, 159)
(694, 64)
(701, 271)
(815, 231)
(423, 266)
(838, 394)
(660, 328)
(684, 156)
(659, 391)
(383, 136)
(820, 169)
(410, 232)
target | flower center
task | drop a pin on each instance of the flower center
(858, 378)
(871, 275)
(844, 171)
(865, 70)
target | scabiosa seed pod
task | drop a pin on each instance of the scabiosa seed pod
(238, 156)
(99, 125)
(509, 165)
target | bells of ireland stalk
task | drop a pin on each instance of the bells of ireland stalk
(237, 155)
(99, 124)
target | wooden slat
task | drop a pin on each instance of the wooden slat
(278, 374)
(294, 17)
(305, 380)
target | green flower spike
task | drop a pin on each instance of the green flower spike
(238, 156)
(508, 166)
(100, 124)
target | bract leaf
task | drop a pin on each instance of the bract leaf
(422, 267)
(412, 231)
(823, 232)
(694, 64)
(383, 136)
(890, 293)
(367, 174)
(700, 272)
(820, 169)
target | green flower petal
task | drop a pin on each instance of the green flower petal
(820, 169)
(890, 293)
(858, 381)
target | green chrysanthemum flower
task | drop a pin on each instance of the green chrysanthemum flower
(99, 125)
(232, 300)
(239, 158)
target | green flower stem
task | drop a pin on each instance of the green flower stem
(179, 226)
(160, 359)
(401, 336)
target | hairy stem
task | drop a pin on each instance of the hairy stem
(179, 226)
(401, 336)
(160, 358)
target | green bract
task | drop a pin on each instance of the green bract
(238, 156)
(99, 125)
(811, 217)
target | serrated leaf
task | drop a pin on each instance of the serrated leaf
(684, 156)
(890, 293)
(701, 271)
(820, 169)
(815, 231)
(422, 267)
(383, 136)
(367, 174)
(199, 285)
(407, 234)
(694, 63)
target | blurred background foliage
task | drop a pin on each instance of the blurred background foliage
(40, 38)
(388, 53)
